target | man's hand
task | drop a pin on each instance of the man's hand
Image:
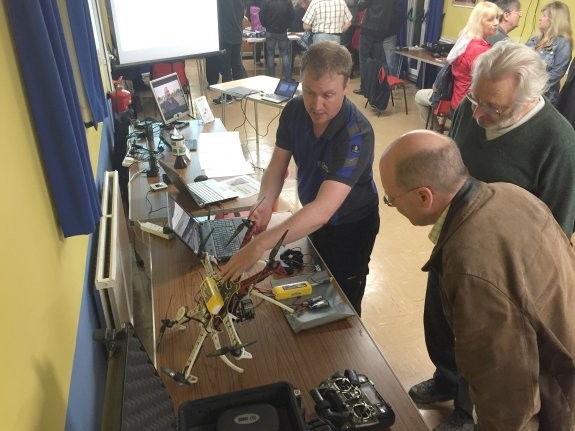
(261, 216)
(243, 260)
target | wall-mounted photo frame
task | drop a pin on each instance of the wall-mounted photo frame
(466, 3)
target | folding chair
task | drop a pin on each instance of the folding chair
(443, 110)
(394, 83)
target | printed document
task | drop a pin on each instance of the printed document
(220, 155)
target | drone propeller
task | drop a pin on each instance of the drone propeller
(235, 351)
(176, 376)
(246, 223)
(166, 323)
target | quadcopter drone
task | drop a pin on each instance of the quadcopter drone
(221, 303)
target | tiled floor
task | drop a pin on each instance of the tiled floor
(393, 303)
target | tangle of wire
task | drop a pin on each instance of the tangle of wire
(243, 104)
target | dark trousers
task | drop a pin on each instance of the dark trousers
(282, 42)
(346, 250)
(369, 47)
(232, 66)
(440, 343)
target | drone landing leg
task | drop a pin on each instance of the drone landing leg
(217, 345)
(234, 337)
(194, 355)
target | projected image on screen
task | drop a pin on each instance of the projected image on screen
(161, 30)
(170, 98)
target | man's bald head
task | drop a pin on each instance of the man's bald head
(425, 157)
(427, 164)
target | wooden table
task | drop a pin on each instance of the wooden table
(420, 55)
(304, 359)
(145, 205)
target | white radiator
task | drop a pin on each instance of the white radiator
(114, 259)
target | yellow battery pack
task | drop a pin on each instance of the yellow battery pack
(291, 290)
(212, 296)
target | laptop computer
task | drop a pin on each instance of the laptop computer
(284, 91)
(240, 92)
(209, 235)
(202, 192)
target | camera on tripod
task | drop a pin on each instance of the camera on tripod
(349, 401)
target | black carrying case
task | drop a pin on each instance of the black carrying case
(136, 399)
(202, 414)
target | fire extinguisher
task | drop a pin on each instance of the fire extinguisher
(121, 98)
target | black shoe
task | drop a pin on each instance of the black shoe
(358, 91)
(428, 392)
(459, 420)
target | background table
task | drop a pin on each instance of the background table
(420, 55)
(259, 84)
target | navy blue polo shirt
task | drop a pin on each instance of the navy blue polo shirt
(343, 153)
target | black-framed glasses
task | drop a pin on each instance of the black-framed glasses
(477, 104)
(389, 201)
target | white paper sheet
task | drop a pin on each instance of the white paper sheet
(220, 155)
(243, 185)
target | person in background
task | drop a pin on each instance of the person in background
(347, 36)
(297, 27)
(506, 272)
(506, 131)
(483, 22)
(566, 101)
(554, 44)
(230, 25)
(257, 4)
(327, 19)
(378, 30)
(332, 144)
(508, 21)
(276, 16)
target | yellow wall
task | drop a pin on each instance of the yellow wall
(456, 17)
(41, 273)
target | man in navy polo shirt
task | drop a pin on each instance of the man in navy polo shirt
(332, 144)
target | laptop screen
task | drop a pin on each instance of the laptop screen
(175, 178)
(183, 225)
(170, 98)
(286, 88)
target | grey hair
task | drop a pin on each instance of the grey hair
(326, 58)
(508, 5)
(441, 169)
(512, 58)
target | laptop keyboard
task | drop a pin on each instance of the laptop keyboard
(225, 229)
(204, 192)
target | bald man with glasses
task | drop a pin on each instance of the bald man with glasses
(507, 131)
(505, 280)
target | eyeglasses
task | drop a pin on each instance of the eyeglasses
(477, 104)
(389, 201)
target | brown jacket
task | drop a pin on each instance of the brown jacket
(507, 284)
